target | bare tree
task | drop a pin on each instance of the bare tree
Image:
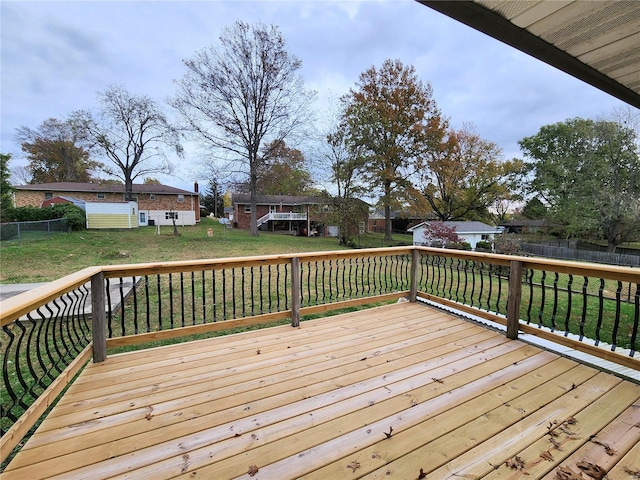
(131, 131)
(243, 94)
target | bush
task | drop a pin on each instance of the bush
(483, 246)
(459, 245)
(74, 215)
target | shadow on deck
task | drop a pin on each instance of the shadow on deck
(400, 391)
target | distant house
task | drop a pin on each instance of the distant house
(471, 232)
(299, 215)
(156, 204)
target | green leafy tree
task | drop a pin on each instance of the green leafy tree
(282, 171)
(465, 176)
(391, 120)
(212, 200)
(243, 94)
(131, 132)
(534, 209)
(56, 152)
(588, 172)
(5, 186)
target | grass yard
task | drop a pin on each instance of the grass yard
(46, 260)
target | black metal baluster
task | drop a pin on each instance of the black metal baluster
(193, 298)
(636, 321)
(616, 323)
(123, 327)
(171, 300)
(135, 305)
(600, 310)
(224, 293)
(159, 286)
(569, 305)
(214, 298)
(182, 301)
(555, 301)
(148, 304)
(109, 309)
(543, 291)
(204, 297)
(585, 297)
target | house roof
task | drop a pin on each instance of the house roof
(245, 198)
(462, 227)
(103, 188)
(596, 41)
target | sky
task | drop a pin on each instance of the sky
(57, 55)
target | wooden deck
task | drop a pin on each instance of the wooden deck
(383, 393)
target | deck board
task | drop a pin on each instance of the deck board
(319, 401)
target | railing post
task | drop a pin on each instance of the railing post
(295, 292)
(415, 261)
(98, 318)
(514, 298)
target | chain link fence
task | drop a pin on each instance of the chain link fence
(28, 231)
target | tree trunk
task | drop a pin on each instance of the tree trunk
(387, 211)
(253, 200)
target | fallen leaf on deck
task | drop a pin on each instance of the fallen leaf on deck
(565, 473)
(546, 455)
(633, 473)
(591, 469)
(515, 463)
(437, 380)
(253, 469)
(422, 475)
(388, 435)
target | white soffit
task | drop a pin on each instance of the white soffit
(593, 40)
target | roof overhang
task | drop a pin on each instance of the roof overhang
(595, 41)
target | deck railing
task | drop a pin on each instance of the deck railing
(50, 333)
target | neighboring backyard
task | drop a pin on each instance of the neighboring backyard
(46, 260)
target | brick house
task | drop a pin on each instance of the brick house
(157, 204)
(297, 215)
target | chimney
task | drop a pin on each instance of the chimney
(195, 187)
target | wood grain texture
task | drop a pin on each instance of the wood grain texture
(377, 393)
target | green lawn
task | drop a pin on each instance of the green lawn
(46, 260)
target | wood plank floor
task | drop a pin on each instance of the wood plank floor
(403, 391)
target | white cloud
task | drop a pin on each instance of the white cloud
(56, 55)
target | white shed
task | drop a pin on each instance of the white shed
(471, 232)
(112, 214)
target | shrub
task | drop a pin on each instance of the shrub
(74, 215)
(484, 246)
(459, 245)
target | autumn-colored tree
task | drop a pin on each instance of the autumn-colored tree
(391, 121)
(56, 152)
(241, 94)
(282, 171)
(437, 233)
(151, 181)
(465, 176)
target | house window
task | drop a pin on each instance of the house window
(100, 196)
(48, 196)
(247, 209)
(485, 237)
(143, 218)
(170, 215)
(152, 196)
(180, 198)
(273, 208)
